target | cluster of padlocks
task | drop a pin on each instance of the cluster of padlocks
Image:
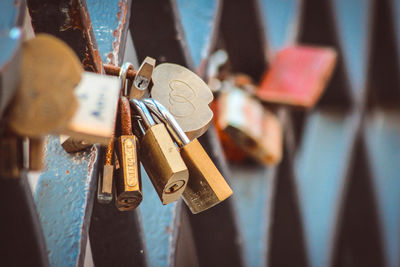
(245, 112)
(154, 116)
(117, 112)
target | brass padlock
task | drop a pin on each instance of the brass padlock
(128, 180)
(160, 157)
(206, 187)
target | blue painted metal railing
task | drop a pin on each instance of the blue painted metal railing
(295, 213)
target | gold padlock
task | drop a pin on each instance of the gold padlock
(206, 187)
(160, 157)
(128, 181)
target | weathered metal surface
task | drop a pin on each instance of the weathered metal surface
(383, 149)
(320, 173)
(116, 237)
(69, 21)
(64, 198)
(200, 20)
(110, 22)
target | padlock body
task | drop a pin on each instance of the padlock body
(255, 130)
(163, 163)
(206, 186)
(128, 180)
(106, 184)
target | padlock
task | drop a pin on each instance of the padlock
(298, 76)
(45, 101)
(160, 157)
(186, 96)
(142, 79)
(106, 177)
(206, 187)
(128, 180)
(254, 129)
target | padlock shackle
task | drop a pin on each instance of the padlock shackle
(122, 75)
(125, 114)
(166, 117)
(143, 112)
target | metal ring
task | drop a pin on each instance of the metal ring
(143, 112)
(165, 116)
(122, 75)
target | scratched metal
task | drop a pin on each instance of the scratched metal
(63, 201)
(108, 21)
(199, 20)
(281, 22)
(158, 224)
(383, 143)
(252, 185)
(320, 174)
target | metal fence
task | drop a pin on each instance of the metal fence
(333, 201)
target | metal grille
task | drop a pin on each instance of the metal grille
(333, 201)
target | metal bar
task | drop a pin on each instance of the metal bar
(281, 21)
(20, 226)
(243, 36)
(116, 237)
(163, 38)
(69, 21)
(318, 26)
(200, 21)
(384, 65)
(216, 231)
(65, 190)
(382, 135)
(285, 246)
(321, 171)
(359, 235)
(64, 198)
